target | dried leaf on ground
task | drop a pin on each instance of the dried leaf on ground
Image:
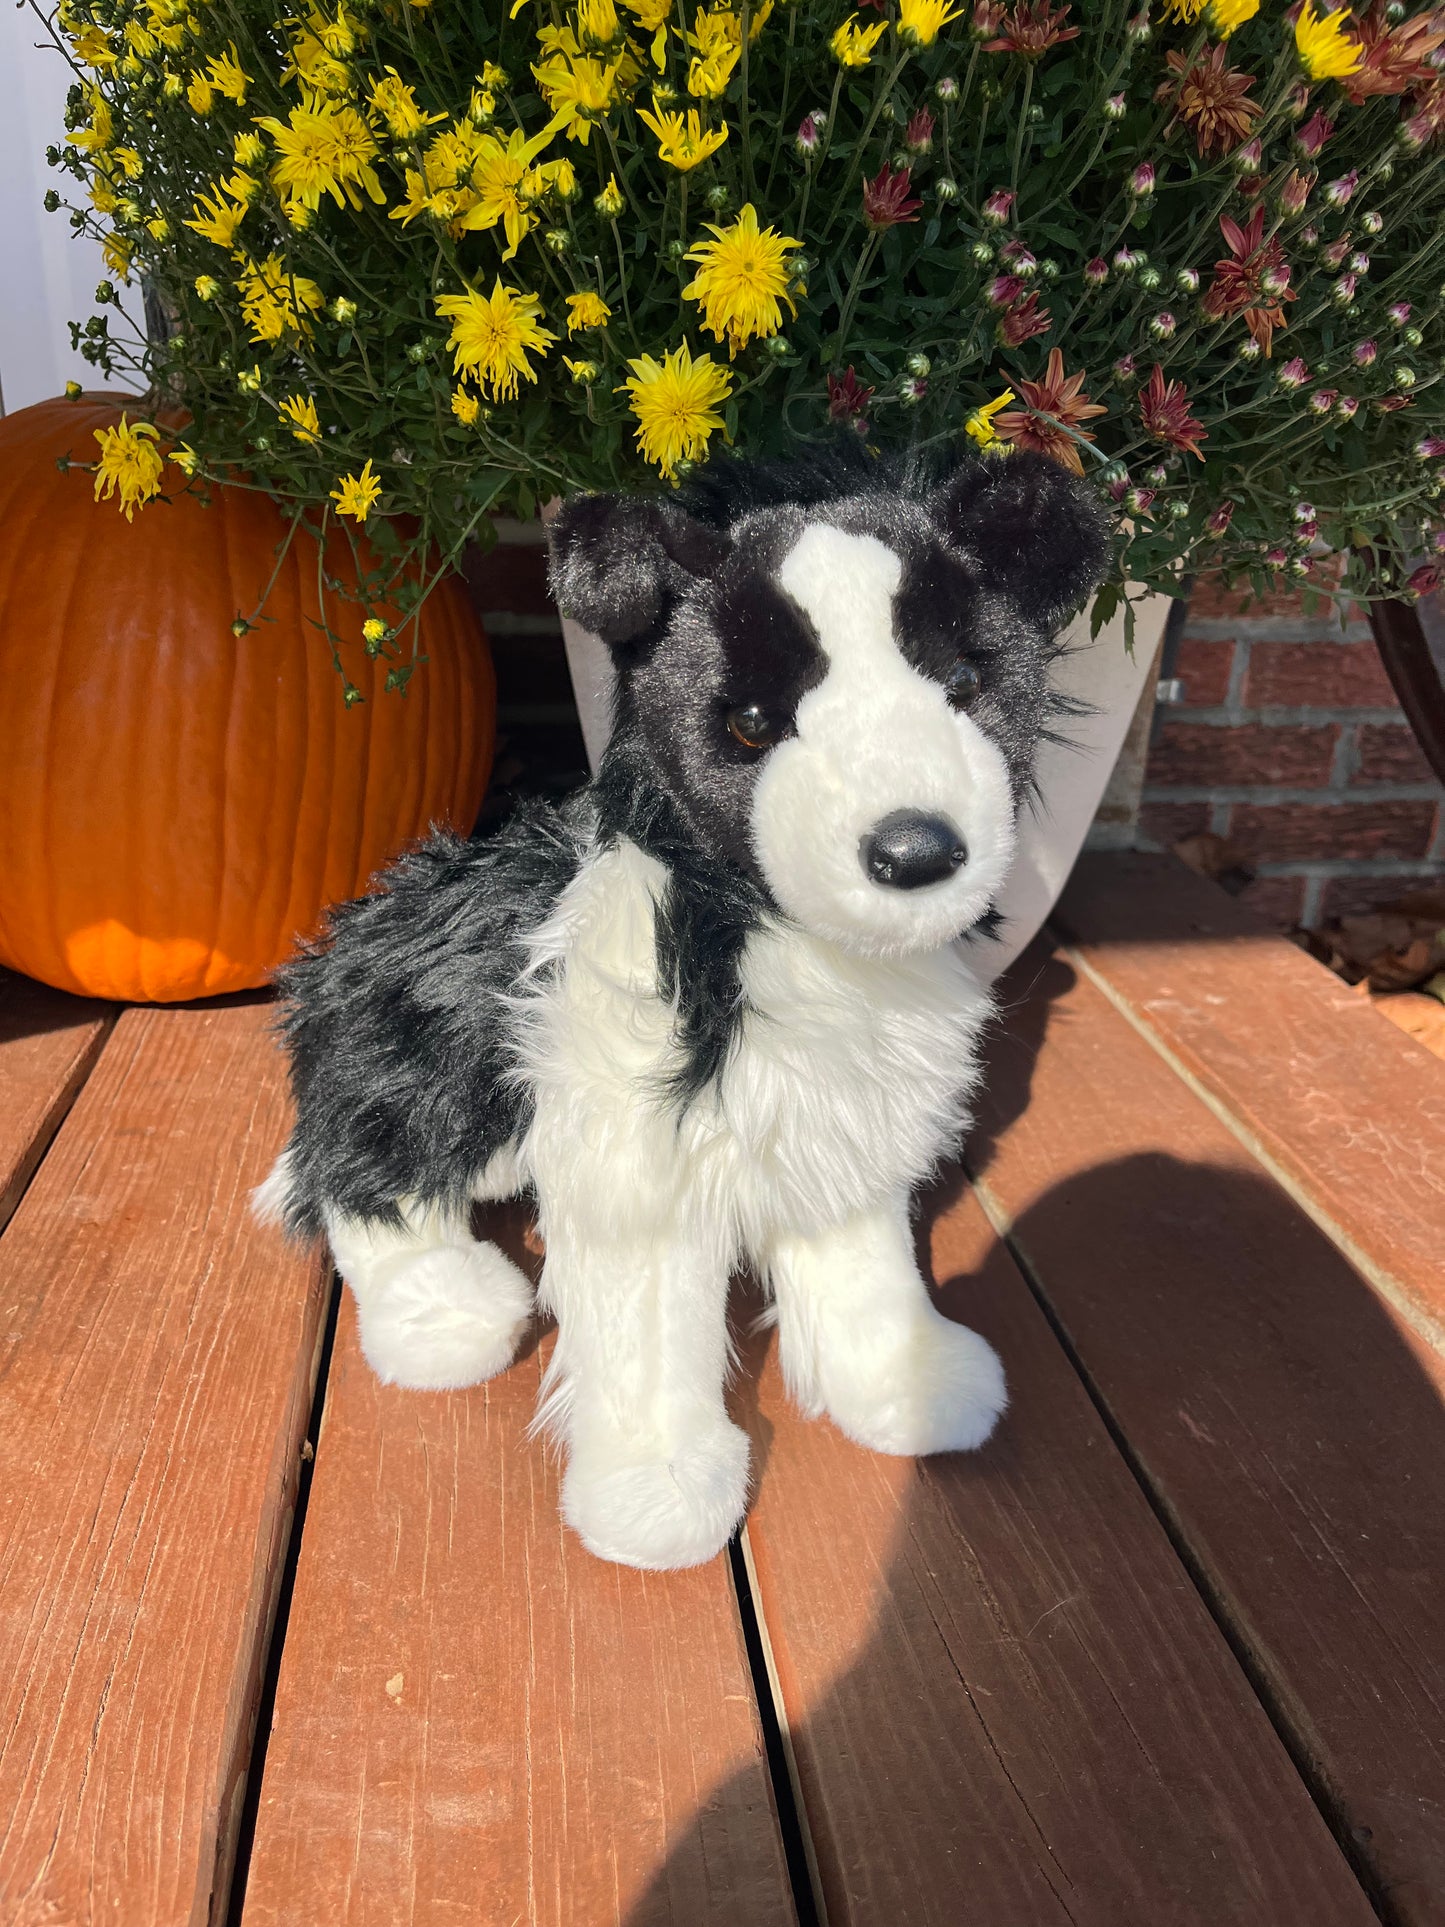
(1228, 864)
(1422, 1017)
(1399, 946)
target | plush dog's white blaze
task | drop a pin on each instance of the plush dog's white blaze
(873, 737)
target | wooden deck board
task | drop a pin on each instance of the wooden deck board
(156, 1354)
(1287, 1420)
(48, 1045)
(1348, 1110)
(476, 1721)
(1006, 1702)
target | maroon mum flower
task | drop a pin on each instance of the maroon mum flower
(1396, 59)
(1251, 281)
(1164, 410)
(1055, 404)
(847, 397)
(1023, 321)
(918, 134)
(887, 201)
(1030, 28)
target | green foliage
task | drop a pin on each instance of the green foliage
(1005, 219)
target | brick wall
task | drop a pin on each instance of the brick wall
(1288, 741)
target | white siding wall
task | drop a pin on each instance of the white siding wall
(49, 274)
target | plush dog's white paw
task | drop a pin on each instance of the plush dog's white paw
(934, 1387)
(445, 1317)
(641, 1508)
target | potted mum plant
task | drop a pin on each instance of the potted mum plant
(413, 265)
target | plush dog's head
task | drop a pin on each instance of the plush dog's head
(840, 680)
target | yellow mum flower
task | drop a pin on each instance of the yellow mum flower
(226, 75)
(579, 88)
(465, 407)
(1184, 11)
(586, 311)
(583, 373)
(131, 164)
(92, 49)
(217, 220)
(185, 458)
(300, 412)
(95, 138)
(609, 202)
(652, 18)
(492, 335)
(249, 149)
(980, 422)
(492, 76)
(373, 630)
(742, 277)
(921, 21)
(207, 286)
(1226, 15)
(1325, 50)
(158, 228)
(597, 22)
(707, 79)
(324, 150)
(117, 253)
(396, 104)
(500, 180)
(854, 45)
(357, 494)
(561, 177)
(675, 402)
(683, 145)
(200, 94)
(275, 302)
(130, 465)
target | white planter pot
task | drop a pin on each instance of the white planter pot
(1071, 781)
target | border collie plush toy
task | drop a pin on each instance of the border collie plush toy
(713, 1011)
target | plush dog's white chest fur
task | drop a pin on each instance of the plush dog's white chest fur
(847, 1081)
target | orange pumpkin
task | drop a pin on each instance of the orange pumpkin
(177, 804)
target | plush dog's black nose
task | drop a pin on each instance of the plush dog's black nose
(908, 850)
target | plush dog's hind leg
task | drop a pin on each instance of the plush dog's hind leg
(860, 1338)
(657, 1474)
(436, 1309)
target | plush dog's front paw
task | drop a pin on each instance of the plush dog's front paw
(642, 1507)
(934, 1387)
(445, 1317)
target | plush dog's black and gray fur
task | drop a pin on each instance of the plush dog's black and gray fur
(712, 1009)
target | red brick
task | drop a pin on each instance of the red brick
(1280, 900)
(1166, 823)
(1345, 896)
(1198, 754)
(1212, 600)
(1278, 831)
(1390, 754)
(1203, 667)
(1322, 675)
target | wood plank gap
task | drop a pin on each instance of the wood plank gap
(280, 1619)
(797, 1836)
(1215, 1602)
(55, 1114)
(1401, 1302)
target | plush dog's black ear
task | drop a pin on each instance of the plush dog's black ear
(1033, 532)
(618, 559)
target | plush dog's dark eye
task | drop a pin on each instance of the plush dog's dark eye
(753, 727)
(963, 683)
